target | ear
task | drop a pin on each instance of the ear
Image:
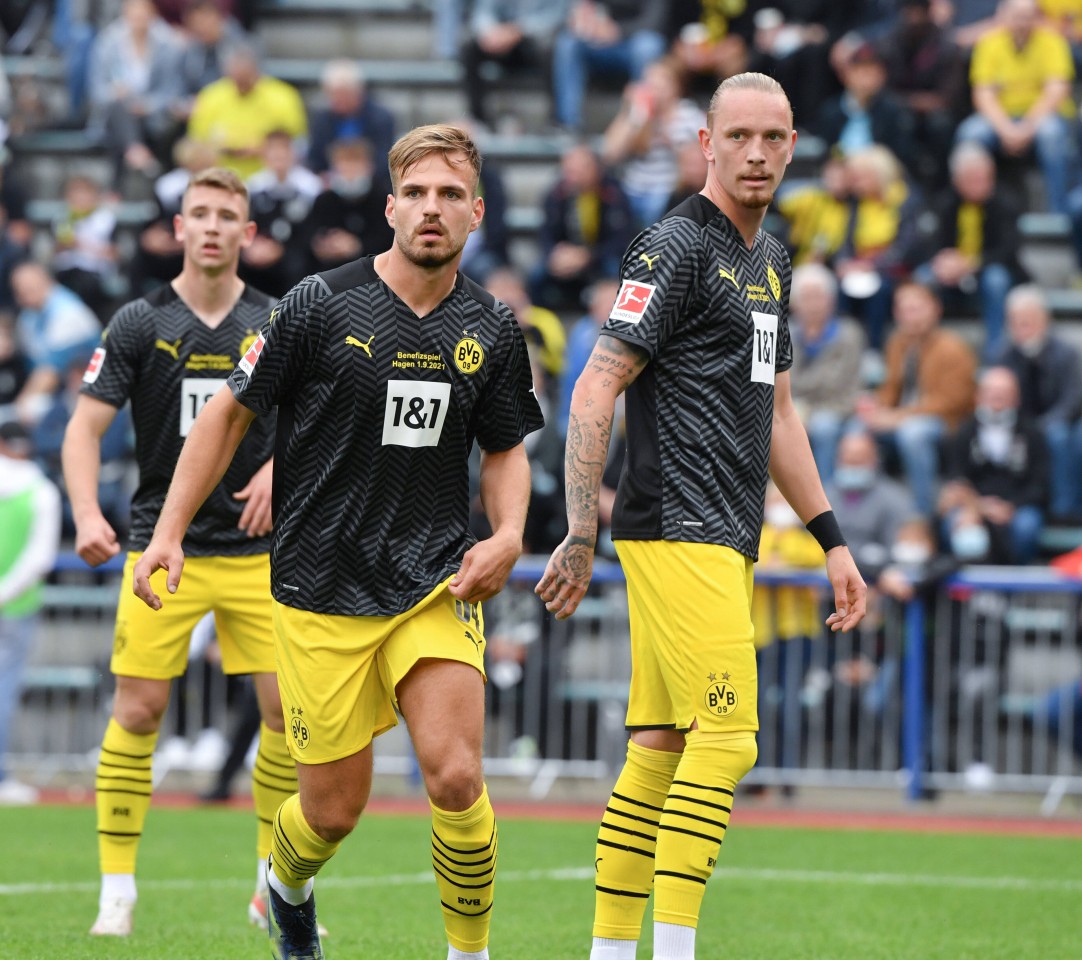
(706, 144)
(389, 211)
(478, 213)
(249, 233)
(178, 227)
(792, 147)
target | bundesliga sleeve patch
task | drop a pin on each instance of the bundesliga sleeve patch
(248, 361)
(93, 368)
(631, 301)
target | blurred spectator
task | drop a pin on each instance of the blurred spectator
(546, 518)
(513, 34)
(1021, 74)
(690, 173)
(973, 252)
(916, 564)
(928, 389)
(866, 111)
(614, 38)
(209, 33)
(159, 254)
(1049, 375)
(84, 257)
(927, 71)
(827, 355)
(13, 367)
(56, 330)
(587, 224)
(966, 21)
(792, 42)
(880, 241)
(30, 519)
(654, 122)
(543, 330)
(134, 83)
(280, 198)
(487, 247)
(236, 113)
(817, 213)
(996, 474)
(348, 112)
(114, 492)
(349, 219)
(712, 44)
(874, 506)
(15, 231)
(173, 11)
(582, 339)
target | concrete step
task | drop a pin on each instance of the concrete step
(363, 34)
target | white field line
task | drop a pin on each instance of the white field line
(582, 874)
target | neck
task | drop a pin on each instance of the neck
(747, 220)
(210, 295)
(422, 289)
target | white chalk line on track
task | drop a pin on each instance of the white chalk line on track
(581, 874)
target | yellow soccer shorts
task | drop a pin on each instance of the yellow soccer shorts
(338, 674)
(153, 644)
(692, 649)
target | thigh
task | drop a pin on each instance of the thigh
(443, 703)
(334, 700)
(240, 591)
(154, 643)
(693, 617)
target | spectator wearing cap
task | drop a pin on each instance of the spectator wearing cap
(348, 112)
(1021, 74)
(866, 112)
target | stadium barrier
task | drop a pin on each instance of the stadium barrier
(972, 685)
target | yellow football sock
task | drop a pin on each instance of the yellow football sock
(297, 851)
(624, 860)
(464, 859)
(274, 780)
(123, 788)
(694, 821)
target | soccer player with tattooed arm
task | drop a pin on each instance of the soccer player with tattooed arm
(699, 339)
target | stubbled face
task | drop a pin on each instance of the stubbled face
(749, 145)
(433, 210)
(213, 225)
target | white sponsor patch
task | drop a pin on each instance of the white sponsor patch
(631, 301)
(415, 412)
(764, 347)
(248, 361)
(93, 368)
(194, 394)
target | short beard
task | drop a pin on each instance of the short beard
(429, 259)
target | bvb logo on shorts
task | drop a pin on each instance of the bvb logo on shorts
(721, 698)
(298, 728)
(469, 355)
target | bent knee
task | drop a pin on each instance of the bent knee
(732, 754)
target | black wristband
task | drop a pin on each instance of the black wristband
(825, 529)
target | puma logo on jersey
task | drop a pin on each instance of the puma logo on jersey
(728, 275)
(171, 348)
(648, 260)
(354, 342)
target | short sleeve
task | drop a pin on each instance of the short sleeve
(508, 409)
(115, 363)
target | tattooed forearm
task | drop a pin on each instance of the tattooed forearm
(584, 461)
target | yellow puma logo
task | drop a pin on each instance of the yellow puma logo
(728, 275)
(648, 260)
(170, 348)
(354, 342)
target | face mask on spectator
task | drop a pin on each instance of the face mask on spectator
(910, 553)
(781, 516)
(988, 417)
(1031, 347)
(850, 478)
(970, 541)
(352, 187)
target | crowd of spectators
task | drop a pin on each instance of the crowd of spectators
(940, 123)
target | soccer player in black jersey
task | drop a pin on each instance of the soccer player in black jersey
(384, 372)
(167, 353)
(699, 339)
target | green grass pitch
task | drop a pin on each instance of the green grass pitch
(779, 893)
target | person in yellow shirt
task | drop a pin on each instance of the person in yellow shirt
(1021, 74)
(236, 113)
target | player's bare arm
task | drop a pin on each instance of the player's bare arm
(95, 539)
(793, 469)
(256, 518)
(505, 495)
(204, 458)
(611, 369)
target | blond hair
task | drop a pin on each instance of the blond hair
(758, 82)
(220, 178)
(421, 142)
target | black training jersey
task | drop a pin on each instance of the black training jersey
(377, 412)
(161, 356)
(714, 318)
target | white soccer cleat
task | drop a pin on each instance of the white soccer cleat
(114, 918)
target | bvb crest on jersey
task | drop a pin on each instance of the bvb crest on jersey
(469, 355)
(247, 342)
(774, 280)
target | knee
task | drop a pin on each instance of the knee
(732, 755)
(138, 714)
(455, 785)
(332, 820)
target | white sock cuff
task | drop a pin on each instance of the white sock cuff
(453, 953)
(673, 942)
(293, 895)
(117, 886)
(607, 949)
